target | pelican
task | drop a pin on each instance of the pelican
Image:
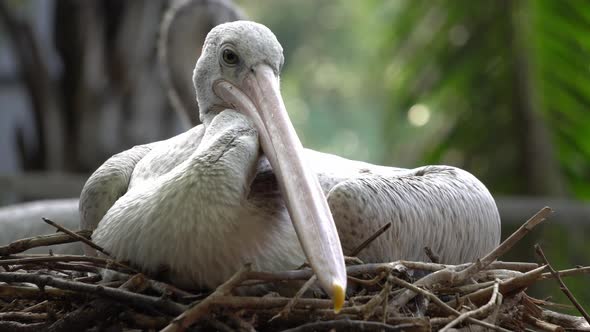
(240, 188)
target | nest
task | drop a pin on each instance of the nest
(67, 293)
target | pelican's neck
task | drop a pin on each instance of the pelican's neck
(206, 116)
(209, 112)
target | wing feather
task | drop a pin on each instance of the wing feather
(107, 184)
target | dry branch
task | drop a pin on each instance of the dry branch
(568, 272)
(350, 325)
(97, 310)
(76, 236)
(370, 240)
(287, 309)
(481, 310)
(26, 317)
(138, 300)
(41, 241)
(452, 275)
(443, 305)
(562, 285)
(31, 259)
(507, 244)
(195, 313)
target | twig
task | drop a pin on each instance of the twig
(385, 305)
(543, 325)
(452, 275)
(167, 289)
(370, 282)
(137, 300)
(443, 305)
(470, 288)
(568, 272)
(564, 320)
(349, 325)
(197, 312)
(287, 309)
(431, 255)
(241, 324)
(21, 316)
(36, 307)
(562, 285)
(515, 266)
(507, 244)
(103, 262)
(76, 236)
(256, 277)
(483, 309)
(73, 267)
(490, 274)
(143, 321)
(259, 303)
(361, 246)
(25, 292)
(370, 239)
(97, 310)
(14, 326)
(21, 245)
(506, 287)
(369, 308)
(349, 260)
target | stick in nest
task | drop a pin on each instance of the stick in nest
(96, 310)
(569, 272)
(197, 312)
(287, 309)
(507, 244)
(370, 239)
(30, 259)
(21, 245)
(492, 303)
(138, 300)
(452, 276)
(443, 305)
(562, 285)
(361, 246)
(76, 236)
(370, 307)
(431, 255)
(350, 325)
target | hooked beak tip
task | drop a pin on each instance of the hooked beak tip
(337, 296)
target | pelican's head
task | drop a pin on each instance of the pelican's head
(233, 51)
(239, 69)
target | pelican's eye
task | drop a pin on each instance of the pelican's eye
(230, 57)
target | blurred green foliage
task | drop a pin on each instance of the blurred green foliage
(330, 48)
(500, 88)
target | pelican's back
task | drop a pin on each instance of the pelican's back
(442, 207)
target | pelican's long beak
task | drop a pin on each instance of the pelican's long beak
(259, 97)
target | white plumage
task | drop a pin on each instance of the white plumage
(201, 204)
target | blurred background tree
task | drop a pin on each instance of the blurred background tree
(500, 88)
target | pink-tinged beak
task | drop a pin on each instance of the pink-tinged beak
(259, 97)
